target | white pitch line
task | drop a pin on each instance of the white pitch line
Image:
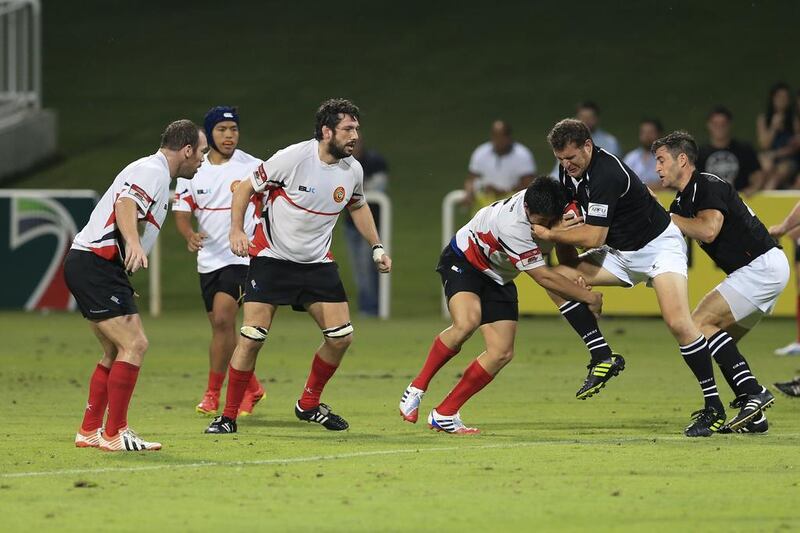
(352, 455)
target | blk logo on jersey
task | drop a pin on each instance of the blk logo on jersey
(312, 190)
(203, 191)
(338, 195)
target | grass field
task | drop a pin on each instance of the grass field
(543, 462)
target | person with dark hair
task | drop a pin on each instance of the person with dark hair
(307, 185)
(477, 269)
(223, 275)
(777, 130)
(630, 240)
(498, 167)
(105, 252)
(732, 160)
(641, 160)
(706, 208)
(588, 112)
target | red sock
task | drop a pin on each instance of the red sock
(98, 399)
(121, 382)
(215, 381)
(438, 355)
(237, 384)
(797, 317)
(254, 386)
(474, 379)
(321, 372)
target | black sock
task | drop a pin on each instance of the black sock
(698, 358)
(585, 324)
(733, 364)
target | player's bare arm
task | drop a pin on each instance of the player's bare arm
(125, 210)
(789, 223)
(365, 224)
(238, 238)
(580, 235)
(564, 287)
(194, 239)
(704, 227)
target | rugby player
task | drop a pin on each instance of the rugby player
(96, 270)
(223, 274)
(307, 185)
(478, 268)
(708, 209)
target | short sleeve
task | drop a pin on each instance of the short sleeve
(712, 195)
(604, 192)
(272, 173)
(183, 200)
(475, 162)
(358, 198)
(142, 189)
(518, 244)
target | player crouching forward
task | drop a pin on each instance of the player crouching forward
(307, 185)
(478, 268)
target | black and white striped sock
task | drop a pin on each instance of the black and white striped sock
(698, 358)
(585, 324)
(733, 364)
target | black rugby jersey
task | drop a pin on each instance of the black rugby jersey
(612, 195)
(742, 237)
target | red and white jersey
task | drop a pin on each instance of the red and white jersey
(208, 196)
(498, 242)
(304, 197)
(145, 181)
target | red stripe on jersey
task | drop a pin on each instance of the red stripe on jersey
(260, 242)
(213, 208)
(106, 252)
(475, 256)
(329, 255)
(275, 193)
(190, 200)
(111, 219)
(141, 193)
(151, 219)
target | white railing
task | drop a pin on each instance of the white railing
(384, 280)
(451, 200)
(20, 56)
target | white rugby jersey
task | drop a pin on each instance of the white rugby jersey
(145, 181)
(303, 199)
(498, 241)
(208, 196)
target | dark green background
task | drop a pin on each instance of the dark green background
(429, 77)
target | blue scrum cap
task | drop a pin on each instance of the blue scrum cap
(216, 115)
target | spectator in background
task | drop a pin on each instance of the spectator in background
(589, 113)
(777, 131)
(376, 178)
(732, 160)
(641, 160)
(498, 168)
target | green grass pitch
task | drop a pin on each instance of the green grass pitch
(544, 461)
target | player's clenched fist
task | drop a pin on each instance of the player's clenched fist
(239, 242)
(382, 261)
(195, 242)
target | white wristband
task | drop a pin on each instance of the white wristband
(377, 253)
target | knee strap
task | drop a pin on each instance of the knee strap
(255, 333)
(338, 331)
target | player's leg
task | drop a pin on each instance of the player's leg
(465, 311)
(333, 318)
(673, 298)
(499, 338)
(222, 319)
(257, 320)
(127, 334)
(596, 268)
(715, 319)
(793, 348)
(88, 436)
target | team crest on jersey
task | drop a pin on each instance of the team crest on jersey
(338, 195)
(234, 184)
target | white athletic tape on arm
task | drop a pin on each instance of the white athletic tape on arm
(338, 331)
(255, 333)
(377, 253)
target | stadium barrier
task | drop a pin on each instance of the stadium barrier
(770, 207)
(20, 64)
(384, 280)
